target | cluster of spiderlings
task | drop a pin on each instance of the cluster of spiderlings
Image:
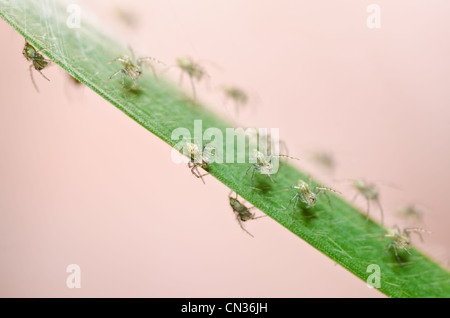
(306, 193)
(400, 239)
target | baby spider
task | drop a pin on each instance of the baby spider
(308, 194)
(132, 67)
(370, 192)
(410, 212)
(242, 212)
(198, 158)
(127, 17)
(194, 70)
(264, 138)
(237, 95)
(324, 159)
(37, 59)
(402, 239)
(263, 164)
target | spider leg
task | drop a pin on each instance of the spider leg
(153, 70)
(140, 60)
(396, 253)
(208, 81)
(242, 226)
(258, 217)
(286, 156)
(48, 48)
(328, 189)
(356, 195)
(368, 209)
(134, 82)
(123, 79)
(406, 249)
(381, 210)
(110, 78)
(132, 52)
(328, 199)
(115, 60)
(253, 175)
(195, 172)
(180, 82)
(322, 190)
(147, 61)
(248, 169)
(50, 61)
(198, 174)
(295, 204)
(386, 249)
(290, 202)
(415, 230)
(193, 87)
(32, 78)
(284, 147)
(394, 247)
(131, 75)
(43, 75)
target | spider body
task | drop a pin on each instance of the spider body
(132, 67)
(198, 158)
(308, 194)
(191, 68)
(402, 239)
(325, 159)
(410, 212)
(243, 213)
(38, 61)
(237, 95)
(194, 70)
(370, 192)
(263, 164)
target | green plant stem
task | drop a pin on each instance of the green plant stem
(342, 232)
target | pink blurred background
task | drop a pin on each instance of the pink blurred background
(81, 183)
